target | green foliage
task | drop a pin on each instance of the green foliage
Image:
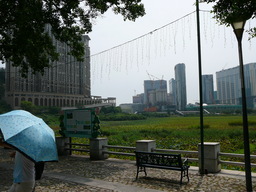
(199, 127)
(153, 114)
(228, 11)
(178, 132)
(163, 133)
(51, 120)
(114, 114)
(121, 117)
(2, 82)
(22, 28)
(2, 75)
(27, 106)
(240, 123)
(37, 110)
(111, 109)
(4, 107)
(53, 110)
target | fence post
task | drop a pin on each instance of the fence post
(96, 148)
(61, 144)
(145, 145)
(211, 160)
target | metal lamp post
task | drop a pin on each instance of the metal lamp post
(238, 27)
(202, 171)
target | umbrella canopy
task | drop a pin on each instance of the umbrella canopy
(29, 134)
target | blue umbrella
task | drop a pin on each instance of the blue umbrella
(29, 134)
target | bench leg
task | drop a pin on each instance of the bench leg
(187, 174)
(181, 176)
(140, 169)
(145, 171)
(137, 172)
(184, 173)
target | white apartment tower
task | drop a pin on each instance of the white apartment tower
(229, 85)
(208, 91)
(181, 93)
(172, 91)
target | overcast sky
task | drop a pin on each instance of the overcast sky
(125, 52)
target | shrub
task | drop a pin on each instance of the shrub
(240, 123)
(4, 107)
(111, 109)
(199, 127)
(121, 117)
(155, 114)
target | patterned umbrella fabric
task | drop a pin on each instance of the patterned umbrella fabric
(29, 134)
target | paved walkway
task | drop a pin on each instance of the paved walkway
(78, 173)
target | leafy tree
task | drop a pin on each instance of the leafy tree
(4, 107)
(24, 42)
(110, 109)
(2, 82)
(2, 75)
(228, 11)
(54, 110)
(27, 106)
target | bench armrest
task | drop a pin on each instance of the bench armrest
(185, 162)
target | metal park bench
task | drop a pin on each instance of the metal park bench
(161, 161)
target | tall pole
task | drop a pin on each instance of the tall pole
(239, 34)
(200, 89)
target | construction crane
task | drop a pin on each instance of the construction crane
(152, 80)
(154, 77)
(149, 76)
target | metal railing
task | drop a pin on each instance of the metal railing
(132, 149)
(77, 144)
(241, 156)
(106, 151)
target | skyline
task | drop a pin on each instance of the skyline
(121, 70)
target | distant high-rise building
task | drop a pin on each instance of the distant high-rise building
(215, 93)
(229, 85)
(172, 91)
(181, 93)
(155, 91)
(207, 86)
(139, 98)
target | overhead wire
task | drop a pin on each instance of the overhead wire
(149, 33)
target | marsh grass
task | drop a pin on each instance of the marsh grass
(180, 132)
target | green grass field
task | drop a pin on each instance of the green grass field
(181, 133)
(184, 133)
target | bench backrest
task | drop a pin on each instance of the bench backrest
(162, 159)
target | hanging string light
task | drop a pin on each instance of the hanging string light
(157, 43)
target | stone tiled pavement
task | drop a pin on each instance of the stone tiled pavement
(78, 173)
